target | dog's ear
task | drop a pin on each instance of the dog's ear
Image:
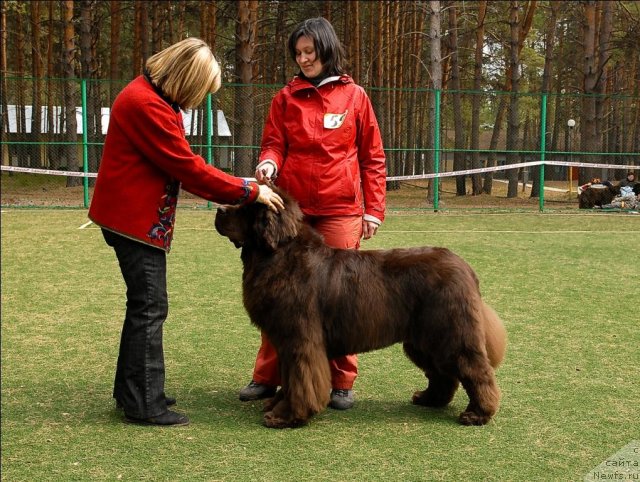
(278, 228)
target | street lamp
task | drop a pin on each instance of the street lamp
(571, 123)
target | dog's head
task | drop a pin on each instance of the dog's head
(254, 225)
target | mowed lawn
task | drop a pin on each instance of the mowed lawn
(566, 286)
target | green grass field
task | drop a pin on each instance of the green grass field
(565, 285)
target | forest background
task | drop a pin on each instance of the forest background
(494, 62)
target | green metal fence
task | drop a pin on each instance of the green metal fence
(60, 125)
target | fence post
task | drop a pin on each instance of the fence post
(209, 133)
(436, 147)
(85, 143)
(543, 145)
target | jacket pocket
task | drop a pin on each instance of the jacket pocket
(350, 187)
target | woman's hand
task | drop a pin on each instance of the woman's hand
(369, 228)
(270, 198)
(265, 171)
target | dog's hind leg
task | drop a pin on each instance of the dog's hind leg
(476, 358)
(441, 387)
(479, 381)
(439, 392)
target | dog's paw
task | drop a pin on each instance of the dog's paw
(271, 420)
(418, 398)
(472, 418)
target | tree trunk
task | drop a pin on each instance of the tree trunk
(283, 54)
(550, 40)
(53, 159)
(88, 32)
(386, 98)
(392, 68)
(560, 111)
(140, 37)
(476, 179)
(459, 163)
(502, 106)
(208, 21)
(5, 85)
(377, 43)
(354, 47)
(36, 149)
(157, 24)
(396, 105)
(414, 98)
(114, 60)
(436, 73)
(634, 117)
(513, 124)
(20, 88)
(71, 88)
(244, 108)
(602, 103)
(588, 133)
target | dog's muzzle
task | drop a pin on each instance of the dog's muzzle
(221, 222)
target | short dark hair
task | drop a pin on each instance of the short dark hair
(327, 45)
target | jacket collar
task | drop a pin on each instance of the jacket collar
(299, 83)
(174, 105)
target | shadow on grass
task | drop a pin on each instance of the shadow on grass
(221, 407)
(209, 406)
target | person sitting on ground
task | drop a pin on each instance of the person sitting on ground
(630, 180)
(627, 199)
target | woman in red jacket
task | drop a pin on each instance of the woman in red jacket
(146, 159)
(322, 144)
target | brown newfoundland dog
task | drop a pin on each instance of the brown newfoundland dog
(316, 303)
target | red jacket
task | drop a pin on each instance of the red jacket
(327, 147)
(145, 159)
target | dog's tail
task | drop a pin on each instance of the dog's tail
(495, 335)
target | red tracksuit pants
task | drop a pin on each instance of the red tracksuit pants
(339, 232)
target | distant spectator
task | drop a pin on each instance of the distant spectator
(629, 181)
(627, 199)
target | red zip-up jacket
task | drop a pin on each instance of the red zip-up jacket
(145, 159)
(327, 147)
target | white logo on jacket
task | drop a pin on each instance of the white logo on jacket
(334, 121)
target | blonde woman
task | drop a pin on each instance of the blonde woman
(146, 159)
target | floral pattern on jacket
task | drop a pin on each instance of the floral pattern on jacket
(163, 229)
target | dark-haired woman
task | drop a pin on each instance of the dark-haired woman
(322, 144)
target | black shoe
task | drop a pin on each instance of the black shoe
(170, 403)
(168, 418)
(256, 391)
(341, 399)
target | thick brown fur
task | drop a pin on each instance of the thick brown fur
(316, 303)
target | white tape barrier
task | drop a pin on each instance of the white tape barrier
(50, 172)
(506, 167)
(390, 178)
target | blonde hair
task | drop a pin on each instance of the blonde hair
(185, 72)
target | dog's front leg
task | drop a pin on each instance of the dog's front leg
(306, 384)
(270, 403)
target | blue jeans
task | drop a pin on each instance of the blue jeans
(139, 380)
